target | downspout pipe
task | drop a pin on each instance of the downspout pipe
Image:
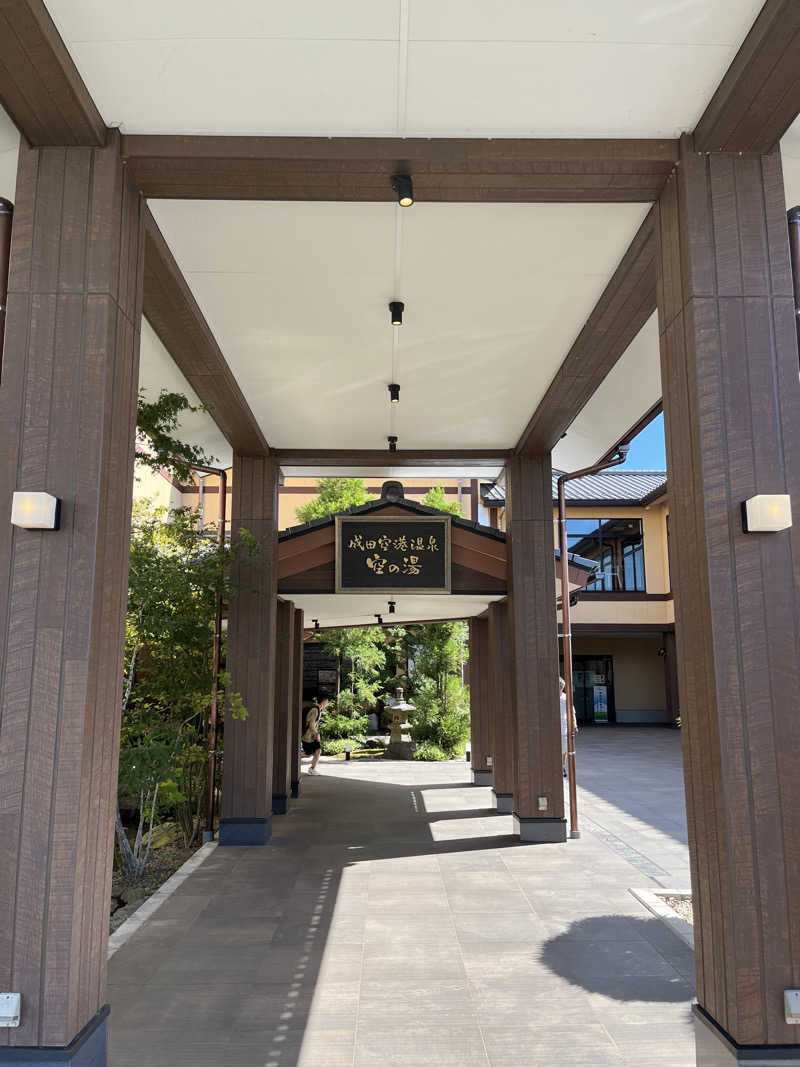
(566, 629)
(213, 718)
(6, 220)
(793, 220)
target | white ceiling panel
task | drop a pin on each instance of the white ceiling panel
(348, 610)
(297, 295)
(9, 151)
(382, 67)
(158, 372)
(631, 389)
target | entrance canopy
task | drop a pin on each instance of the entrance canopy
(307, 571)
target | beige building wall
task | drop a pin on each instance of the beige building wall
(640, 692)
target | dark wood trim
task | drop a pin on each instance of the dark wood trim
(359, 168)
(627, 303)
(40, 86)
(589, 595)
(619, 629)
(375, 490)
(480, 693)
(175, 315)
(759, 97)
(431, 457)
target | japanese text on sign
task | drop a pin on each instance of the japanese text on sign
(391, 553)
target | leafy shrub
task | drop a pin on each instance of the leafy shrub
(337, 745)
(444, 723)
(343, 720)
(428, 751)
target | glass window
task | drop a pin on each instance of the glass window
(617, 546)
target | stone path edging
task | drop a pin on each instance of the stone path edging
(150, 906)
(655, 903)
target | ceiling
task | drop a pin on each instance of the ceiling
(297, 296)
(429, 67)
(341, 609)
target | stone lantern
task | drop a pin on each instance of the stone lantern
(401, 746)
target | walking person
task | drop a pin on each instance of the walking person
(312, 744)
(563, 687)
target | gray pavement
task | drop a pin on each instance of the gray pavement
(394, 919)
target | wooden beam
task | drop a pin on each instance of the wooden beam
(759, 97)
(359, 168)
(175, 315)
(627, 303)
(40, 86)
(431, 457)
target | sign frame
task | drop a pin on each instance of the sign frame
(447, 526)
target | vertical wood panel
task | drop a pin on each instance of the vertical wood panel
(296, 710)
(479, 694)
(284, 700)
(534, 639)
(68, 401)
(247, 766)
(732, 416)
(502, 724)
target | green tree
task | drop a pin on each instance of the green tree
(437, 653)
(435, 498)
(156, 423)
(176, 574)
(333, 495)
(360, 649)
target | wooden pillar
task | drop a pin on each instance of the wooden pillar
(732, 416)
(671, 674)
(284, 708)
(296, 711)
(479, 701)
(501, 708)
(247, 764)
(67, 422)
(539, 801)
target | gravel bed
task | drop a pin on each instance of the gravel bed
(681, 904)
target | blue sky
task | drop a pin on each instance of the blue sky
(647, 449)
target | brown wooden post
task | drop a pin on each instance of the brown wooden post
(480, 702)
(284, 708)
(247, 764)
(732, 415)
(296, 710)
(539, 801)
(501, 705)
(67, 420)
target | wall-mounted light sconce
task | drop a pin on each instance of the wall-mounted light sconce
(396, 309)
(404, 187)
(392, 607)
(394, 393)
(392, 439)
(767, 513)
(35, 511)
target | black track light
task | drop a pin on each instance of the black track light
(316, 624)
(380, 619)
(392, 606)
(396, 309)
(404, 187)
(392, 442)
(394, 393)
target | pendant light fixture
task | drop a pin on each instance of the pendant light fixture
(392, 606)
(392, 439)
(394, 393)
(396, 309)
(380, 619)
(404, 187)
(316, 624)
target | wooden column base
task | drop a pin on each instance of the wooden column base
(245, 831)
(482, 777)
(715, 1048)
(88, 1049)
(503, 802)
(540, 831)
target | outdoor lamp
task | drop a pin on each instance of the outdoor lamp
(397, 307)
(767, 513)
(392, 607)
(404, 187)
(392, 439)
(394, 393)
(380, 620)
(35, 511)
(316, 624)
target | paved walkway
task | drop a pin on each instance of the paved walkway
(394, 920)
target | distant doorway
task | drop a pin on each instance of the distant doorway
(593, 678)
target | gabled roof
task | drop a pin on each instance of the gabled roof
(608, 488)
